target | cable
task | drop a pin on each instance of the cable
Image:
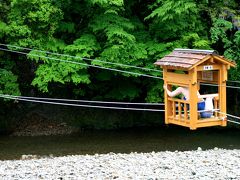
(88, 59)
(102, 107)
(74, 100)
(81, 105)
(229, 115)
(233, 81)
(74, 62)
(235, 122)
(112, 69)
(234, 87)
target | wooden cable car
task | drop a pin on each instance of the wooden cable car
(195, 67)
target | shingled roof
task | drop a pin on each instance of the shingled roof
(186, 59)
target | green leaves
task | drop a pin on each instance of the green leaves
(85, 46)
(60, 73)
(35, 20)
(169, 10)
(8, 83)
(56, 70)
(219, 31)
(108, 2)
(172, 19)
(3, 29)
(134, 33)
(123, 89)
(192, 40)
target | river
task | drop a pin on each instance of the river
(149, 139)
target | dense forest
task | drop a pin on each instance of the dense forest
(92, 32)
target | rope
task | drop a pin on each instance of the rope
(235, 122)
(235, 87)
(229, 115)
(88, 59)
(74, 100)
(111, 69)
(82, 105)
(74, 62)
(233, 81)
(32, 99)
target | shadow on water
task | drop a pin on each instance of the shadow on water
(121, 141)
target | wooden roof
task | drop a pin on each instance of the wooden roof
(187, 59)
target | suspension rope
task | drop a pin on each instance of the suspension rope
(235, 122)
(216, 85)
(43, 101)
(82, 105)
(233, 81)
(88, 59)
(230, 115)
(111, 69)
(76, 57)
(74, 100)
(74, 62)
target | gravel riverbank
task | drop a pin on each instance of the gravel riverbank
(209, 164)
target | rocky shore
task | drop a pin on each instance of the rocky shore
(209, 164)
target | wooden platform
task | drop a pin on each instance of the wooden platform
(202, 122)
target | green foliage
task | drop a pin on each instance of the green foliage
(123, 90)
(155, 92)
(3, 29)
(85, 46)
(193, 41)
(64, 72)
(108, 3)
(173, 19)
(135, 33)
(233, 53)
(219, 31)
(225, 32)
(32, 22)
(59, 72)
(66, 27)
(8, 83)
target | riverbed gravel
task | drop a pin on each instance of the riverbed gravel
(198, 164)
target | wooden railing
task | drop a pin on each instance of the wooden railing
(179, 110)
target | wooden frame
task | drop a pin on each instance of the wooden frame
(185, 113)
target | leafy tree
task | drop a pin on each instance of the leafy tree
(133, 32)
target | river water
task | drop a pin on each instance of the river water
(162, 138)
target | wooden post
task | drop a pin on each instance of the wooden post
(193, 87)
(222, 92)
(167, 104)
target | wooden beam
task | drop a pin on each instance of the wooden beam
(167, 102)
(180, 123)
(177, 79)
(193, 87)
(209, 123)
(225, 61)
(222, 93)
